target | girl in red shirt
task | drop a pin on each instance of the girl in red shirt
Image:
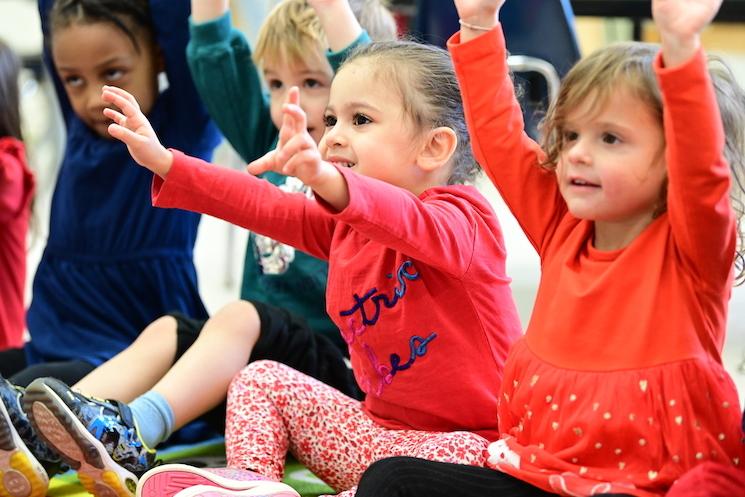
(618, 384)
(417, 283)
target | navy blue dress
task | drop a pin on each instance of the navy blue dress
(113, 263)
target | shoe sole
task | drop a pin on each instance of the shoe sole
(208, 491)
(21, 475)
(58, 426)
(171, 479)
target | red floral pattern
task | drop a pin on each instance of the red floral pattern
(272, 409)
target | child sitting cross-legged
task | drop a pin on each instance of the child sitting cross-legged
(282, 314)
(634, 204)
(405, 243)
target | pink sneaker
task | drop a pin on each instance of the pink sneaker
(171, 480)
(208, 491)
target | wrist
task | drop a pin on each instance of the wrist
(164, 163)
(484, 19)
(203, 10)
(476, 25)
(678, 50)
(324, 175)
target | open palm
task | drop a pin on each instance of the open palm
(684, 18)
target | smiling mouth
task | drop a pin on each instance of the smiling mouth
(583, 183)
(348, 165)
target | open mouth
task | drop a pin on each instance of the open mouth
(343, 164)
(583, 183)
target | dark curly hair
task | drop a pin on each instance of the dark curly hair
(128, 16)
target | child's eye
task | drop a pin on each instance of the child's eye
(610, 139)
(360, 119)
(569, 136)
(329, 121)
(113, 74)
(312, 83)
(73, 81)
(274, 84)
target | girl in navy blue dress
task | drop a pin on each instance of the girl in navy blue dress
(112, 263)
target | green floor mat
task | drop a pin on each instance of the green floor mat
(205, 454)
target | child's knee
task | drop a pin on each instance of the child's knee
(460, 447)
(162, 328)
(258, 372)
(239, 320)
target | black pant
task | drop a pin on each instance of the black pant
(14, 367)
(410, 477)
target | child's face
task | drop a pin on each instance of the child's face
(368, 130)
(88, 56)
(612, 167)
(313, 77)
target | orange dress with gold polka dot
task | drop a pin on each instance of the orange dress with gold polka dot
(617, 385)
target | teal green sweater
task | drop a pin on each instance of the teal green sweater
(228, 81)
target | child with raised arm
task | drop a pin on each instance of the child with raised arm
(617, 385)
(283, 315)
(405, 242)
(112, 263)
(16, 192)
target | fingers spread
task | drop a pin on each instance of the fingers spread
(262, 164)
(127, 136)
(301, 165)
(115, 116)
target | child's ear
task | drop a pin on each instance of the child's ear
(438, 147)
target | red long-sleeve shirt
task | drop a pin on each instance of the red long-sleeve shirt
(416, 285)
(618, 384)
(16, 192)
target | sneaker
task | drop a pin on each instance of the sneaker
(180, 480)
(97, 438)
(208, 491)
(21, 474)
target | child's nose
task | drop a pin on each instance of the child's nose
(334, 137)
(579, 153)
(93, 100)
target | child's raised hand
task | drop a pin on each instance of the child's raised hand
(338, 21)
(296, 153)
(680, 23)
(132, 127)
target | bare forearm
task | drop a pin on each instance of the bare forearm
(331, 186)
(339, 23)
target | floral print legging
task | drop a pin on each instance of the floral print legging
(272, 409)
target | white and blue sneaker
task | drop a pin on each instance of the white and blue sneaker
(96, 437)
